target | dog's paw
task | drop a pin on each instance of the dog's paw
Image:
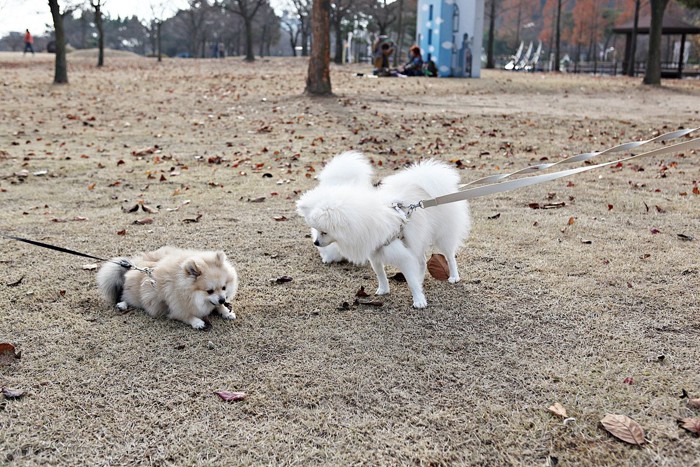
(453, 280)
(197, 323)
(382, 291)
(420, 302)
(122, 306)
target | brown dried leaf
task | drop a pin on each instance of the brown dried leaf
(229, 396)
(189, 221)
(437, 266)
(283, 279)
(624, 428)
(8, 354)
(361, 293)
(376, 303)
(149, 209)
(690, 424)
(10, 393)
(558, 410)
(694, 403)
(144, 221)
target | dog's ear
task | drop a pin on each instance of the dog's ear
(191, 268)
(220, 257)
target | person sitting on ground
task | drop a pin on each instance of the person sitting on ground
(415, 65)
(381, 51)
(430, 69)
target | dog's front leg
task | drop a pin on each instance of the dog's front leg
(378, 267)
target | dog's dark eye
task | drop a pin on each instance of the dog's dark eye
(324, 233)
(210, 291)
(223, 287)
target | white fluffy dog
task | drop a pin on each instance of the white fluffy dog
(350, 168)
(370, 223)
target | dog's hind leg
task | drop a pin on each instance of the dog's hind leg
(452, 265)
(412, 266)
(378, 267)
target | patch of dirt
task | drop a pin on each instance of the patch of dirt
(592, 305)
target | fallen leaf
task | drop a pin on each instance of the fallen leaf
(690, 424)
(685, 237)
(145, 221)
(655, 231)
(149, 209)
(229, 396)
(12, 393)
(15, 283)
(91, 186)
(624, 428)
(122, 232)
(259, 199)
(696, 190)
(283, 279)
(495, 216)
(280, 218)
(90, 267)
(571, 221)
(398, 277)
(438, 268)
(660, 210)
(558, 410)
(694, 403)
(610, 207)
(133, 208)
(376, 303)
(629, 380)
(189, 221)
(361, 293)
(8, 354)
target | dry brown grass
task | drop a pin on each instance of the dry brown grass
(539, 316)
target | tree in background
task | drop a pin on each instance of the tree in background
(303, 15)
(97, 6)
(318, 79)
(60, 66)
(339, 11)
(246, 9)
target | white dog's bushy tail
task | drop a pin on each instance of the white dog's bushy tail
(348, 168)
(110, 280)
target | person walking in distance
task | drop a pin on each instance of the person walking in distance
(28, 42)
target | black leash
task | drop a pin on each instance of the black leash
(123, 263)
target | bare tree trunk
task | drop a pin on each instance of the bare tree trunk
(338, 30)
(249, 54)
(318, 80)
(97, 6)
(399, 45)
(633, 41)
(652, 74)
(158, 25)
(557, 40)
(61, 66)
(490, 62)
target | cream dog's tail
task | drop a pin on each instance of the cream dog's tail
(110, 280)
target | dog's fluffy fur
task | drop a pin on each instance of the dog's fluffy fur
(350, 168)
(360, 219)
(186, 285)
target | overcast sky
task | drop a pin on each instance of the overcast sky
(18, 15)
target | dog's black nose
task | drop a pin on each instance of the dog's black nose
(317, 243)
(222, 300)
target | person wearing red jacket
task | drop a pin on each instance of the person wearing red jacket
(28, 42)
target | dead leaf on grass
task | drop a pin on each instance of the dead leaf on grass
(15, 283)
(684, 237)
(8, 354)
(398, 277)
(694, 403)
(230, 396)
(190, 220)
(280, 218)
(149, 209)
(438, 268)
(10, 393)
(259, 199)
(558, 410)
(283, 279)
(361, 293)
(144, 221)
(690, 424)
(89, 267)
(376, 303)
(624, 428)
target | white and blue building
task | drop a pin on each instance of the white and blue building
(450, 33)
